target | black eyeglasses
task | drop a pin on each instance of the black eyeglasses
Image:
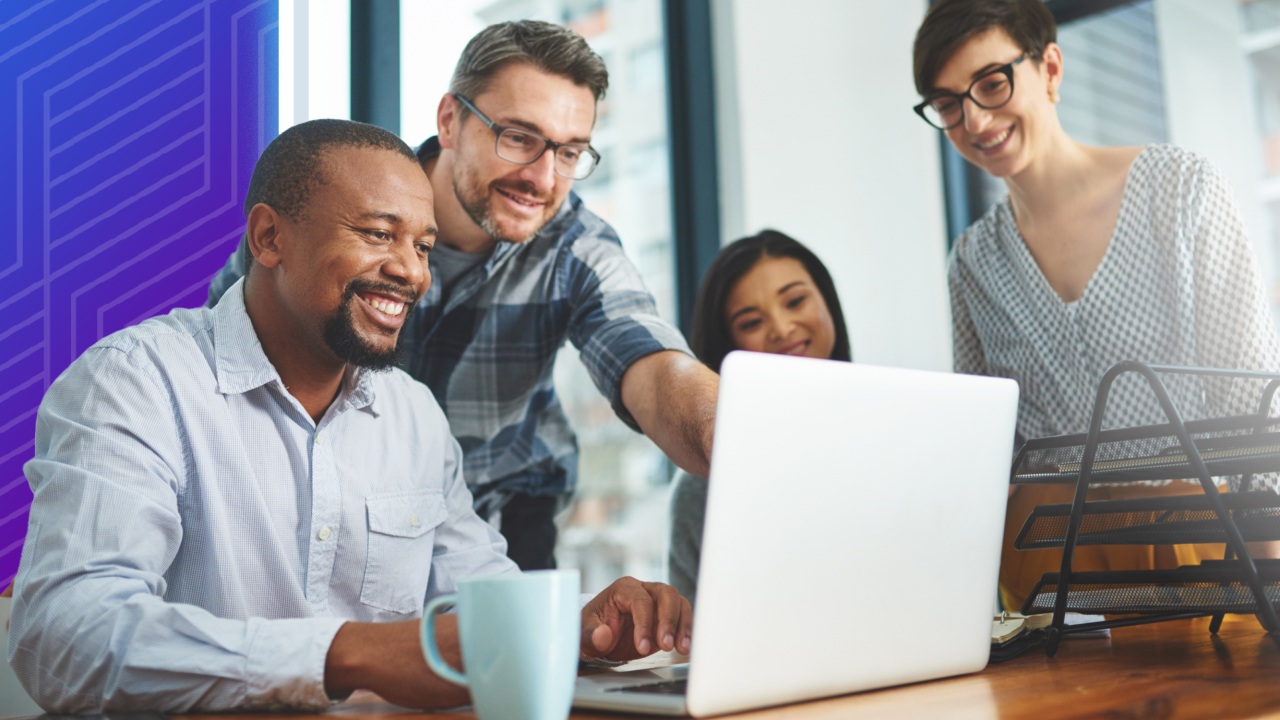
(523, 147)
(945, 110)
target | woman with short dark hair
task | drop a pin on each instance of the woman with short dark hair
(765, 293)
(1098, 255)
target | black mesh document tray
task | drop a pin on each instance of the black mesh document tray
(1214, 586)
(1154, 453)
(1239, 447)
(1153, 521)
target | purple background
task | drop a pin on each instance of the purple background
(128, 133)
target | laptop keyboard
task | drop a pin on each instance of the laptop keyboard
(667, 687)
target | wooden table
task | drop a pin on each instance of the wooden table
(1166, 670)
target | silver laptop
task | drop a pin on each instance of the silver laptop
(852, 537)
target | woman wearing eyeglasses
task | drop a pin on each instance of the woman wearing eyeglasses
(1098, 255)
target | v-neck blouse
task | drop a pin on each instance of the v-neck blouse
(1178, 285)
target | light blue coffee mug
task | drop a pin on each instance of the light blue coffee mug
(519, 637)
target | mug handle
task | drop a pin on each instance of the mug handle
(429, 649)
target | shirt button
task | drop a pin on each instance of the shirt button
(319, 437)
(413, 519)
(324, 533)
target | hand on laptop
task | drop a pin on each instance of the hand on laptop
(632, 619)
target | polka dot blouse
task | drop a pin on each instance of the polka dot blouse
(1178, 285)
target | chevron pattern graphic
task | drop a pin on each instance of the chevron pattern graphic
(128, 134)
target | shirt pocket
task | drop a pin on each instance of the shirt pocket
(401, 539)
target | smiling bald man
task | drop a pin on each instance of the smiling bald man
(247, 506)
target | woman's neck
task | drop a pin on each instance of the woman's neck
(1062, 173)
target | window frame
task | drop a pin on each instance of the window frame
(695, 181)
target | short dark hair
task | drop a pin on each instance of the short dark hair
(550, 48)
(950, 23)
(290, 167)
(710, 338)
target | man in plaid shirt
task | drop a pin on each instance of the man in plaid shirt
(520, 266)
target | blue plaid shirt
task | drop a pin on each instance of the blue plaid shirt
(488, 353)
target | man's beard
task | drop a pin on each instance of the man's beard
(340, 334)
(476, 205)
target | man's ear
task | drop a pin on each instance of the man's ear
(264, 231)
(447, 125)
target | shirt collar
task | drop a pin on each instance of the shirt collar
(241, 365)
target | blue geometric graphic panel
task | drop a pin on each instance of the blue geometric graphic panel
(128, 134)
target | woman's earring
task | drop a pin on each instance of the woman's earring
(1054, 97)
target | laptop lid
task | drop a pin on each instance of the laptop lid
(853, 530)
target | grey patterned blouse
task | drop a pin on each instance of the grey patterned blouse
(1177, 285)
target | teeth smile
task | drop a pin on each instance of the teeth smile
(386, 306)
(526, 203)
(996, 140)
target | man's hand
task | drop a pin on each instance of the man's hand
(632, 619)
(387, 659)
(629, 620)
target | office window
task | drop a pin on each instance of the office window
(315, 61)
(432, 35)
(618, 522)
(1115, 94)
(648, 68)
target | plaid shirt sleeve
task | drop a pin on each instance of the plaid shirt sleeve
(615, 320)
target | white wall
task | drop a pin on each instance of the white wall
(1210, 103)
(817, 139)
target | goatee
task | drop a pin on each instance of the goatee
(340, 334)
(478, 210)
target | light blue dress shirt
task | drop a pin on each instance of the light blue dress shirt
(196, 540)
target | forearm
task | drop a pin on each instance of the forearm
(673, 398)
(387, 659)
(134, 651)
(92, 580)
